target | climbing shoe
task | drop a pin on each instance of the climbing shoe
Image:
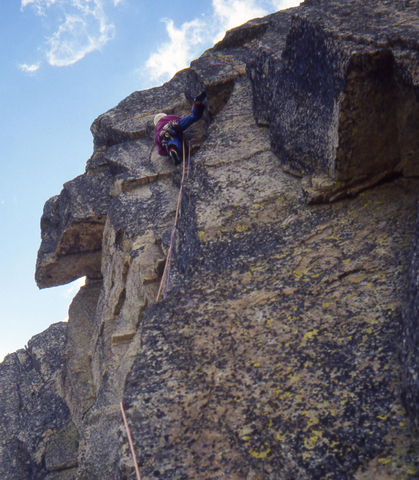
(200, 97)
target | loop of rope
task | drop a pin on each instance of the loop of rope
(169, 253)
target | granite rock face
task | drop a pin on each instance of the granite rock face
(72, 229)
(409, 350)
(287, 346)
(341, 95)
(34, 414)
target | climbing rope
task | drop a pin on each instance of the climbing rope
(131, 444)
(169, 253)
(166, 271)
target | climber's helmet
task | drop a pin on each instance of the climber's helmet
(158, 117)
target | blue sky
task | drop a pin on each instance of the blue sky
(65, 62)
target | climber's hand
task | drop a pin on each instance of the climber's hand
(170, 128)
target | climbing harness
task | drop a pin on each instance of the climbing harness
(169, 253)
(169, 131)
(131, 444)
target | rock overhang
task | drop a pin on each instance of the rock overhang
(71, 231)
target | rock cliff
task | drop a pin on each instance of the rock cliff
(287, 345)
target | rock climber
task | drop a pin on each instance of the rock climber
(170, 128)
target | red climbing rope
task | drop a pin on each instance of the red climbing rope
(169, 253)
(131, 444)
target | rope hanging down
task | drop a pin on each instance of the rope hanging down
(166, 271)
(169, 253)
(131, 444)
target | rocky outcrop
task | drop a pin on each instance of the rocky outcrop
(341, 95)
(285, 348)
(35, 418)
(72, 229)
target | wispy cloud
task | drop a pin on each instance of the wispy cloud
(39, 6)
(30, 69)
(174, 54)
(230, 14)
(80, 34)
(83, 28)
(283, 4)
(186, 42)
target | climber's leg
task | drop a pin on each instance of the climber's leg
(174, 148)
(186, 122)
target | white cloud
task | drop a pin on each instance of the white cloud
(175, 54)
(84, 28)
(283, 4)
(78, 36)
(230, 14)
(40, 6)
(31, 69)
(185, 43)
